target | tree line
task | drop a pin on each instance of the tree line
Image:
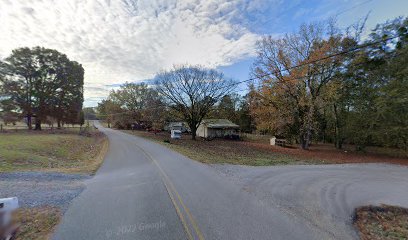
(154, 110)
(42, 84)
(184, 93)
(132, 103)
(324, 84)
(318, 84)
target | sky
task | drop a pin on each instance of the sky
(120, 41)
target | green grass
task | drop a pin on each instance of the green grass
(382, 222)
(224, 151)
(62, 152)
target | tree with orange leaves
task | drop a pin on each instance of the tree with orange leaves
(294, 72)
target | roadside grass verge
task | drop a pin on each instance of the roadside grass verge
(37, 223)
(382, 222)
(323, 150)
(57, 151)
(224, 151)
(256, 151)
(64, 151)
(104, 124)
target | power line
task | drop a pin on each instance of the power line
(354, 7)
(283, 70)
(358, 64)
(311, 62)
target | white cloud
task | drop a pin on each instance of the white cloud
(129, 40)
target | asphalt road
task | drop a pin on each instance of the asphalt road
(324, 196)
(146, 191)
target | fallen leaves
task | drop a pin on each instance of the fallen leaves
(382, 222)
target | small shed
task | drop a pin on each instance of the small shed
(217, 128)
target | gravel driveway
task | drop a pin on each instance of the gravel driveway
(324, 196)
(42, 188)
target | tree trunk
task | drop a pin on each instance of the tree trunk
(305, 136)
(303, 144)
(59, 124)
(29, 124)
(308, 131)
(302, 141)
(308, 136)
(37, 125)
(338, 142)
(193, 127)
(193, 133)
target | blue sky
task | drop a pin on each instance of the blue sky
(281, 20)
(131, 40)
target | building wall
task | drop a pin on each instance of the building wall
(201, 131)
(221, 132)
(205, 132)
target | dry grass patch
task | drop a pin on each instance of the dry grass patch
(224, 151)
(330, 154)
(256, 151)
(37, 223)
(52, 151)
(382, 223)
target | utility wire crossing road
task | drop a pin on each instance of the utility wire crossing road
(146, 191)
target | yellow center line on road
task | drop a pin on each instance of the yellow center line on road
(170, 189)
(179, 213)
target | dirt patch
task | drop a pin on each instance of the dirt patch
(382, 222)
(37, 223)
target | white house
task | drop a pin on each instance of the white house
(213, 128)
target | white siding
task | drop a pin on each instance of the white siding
(205, 132)
(201, 131)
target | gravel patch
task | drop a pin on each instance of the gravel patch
(324, 196)
(35, 189)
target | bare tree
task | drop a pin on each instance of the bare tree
(192, 91)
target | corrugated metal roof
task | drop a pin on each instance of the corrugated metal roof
(219, 123)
